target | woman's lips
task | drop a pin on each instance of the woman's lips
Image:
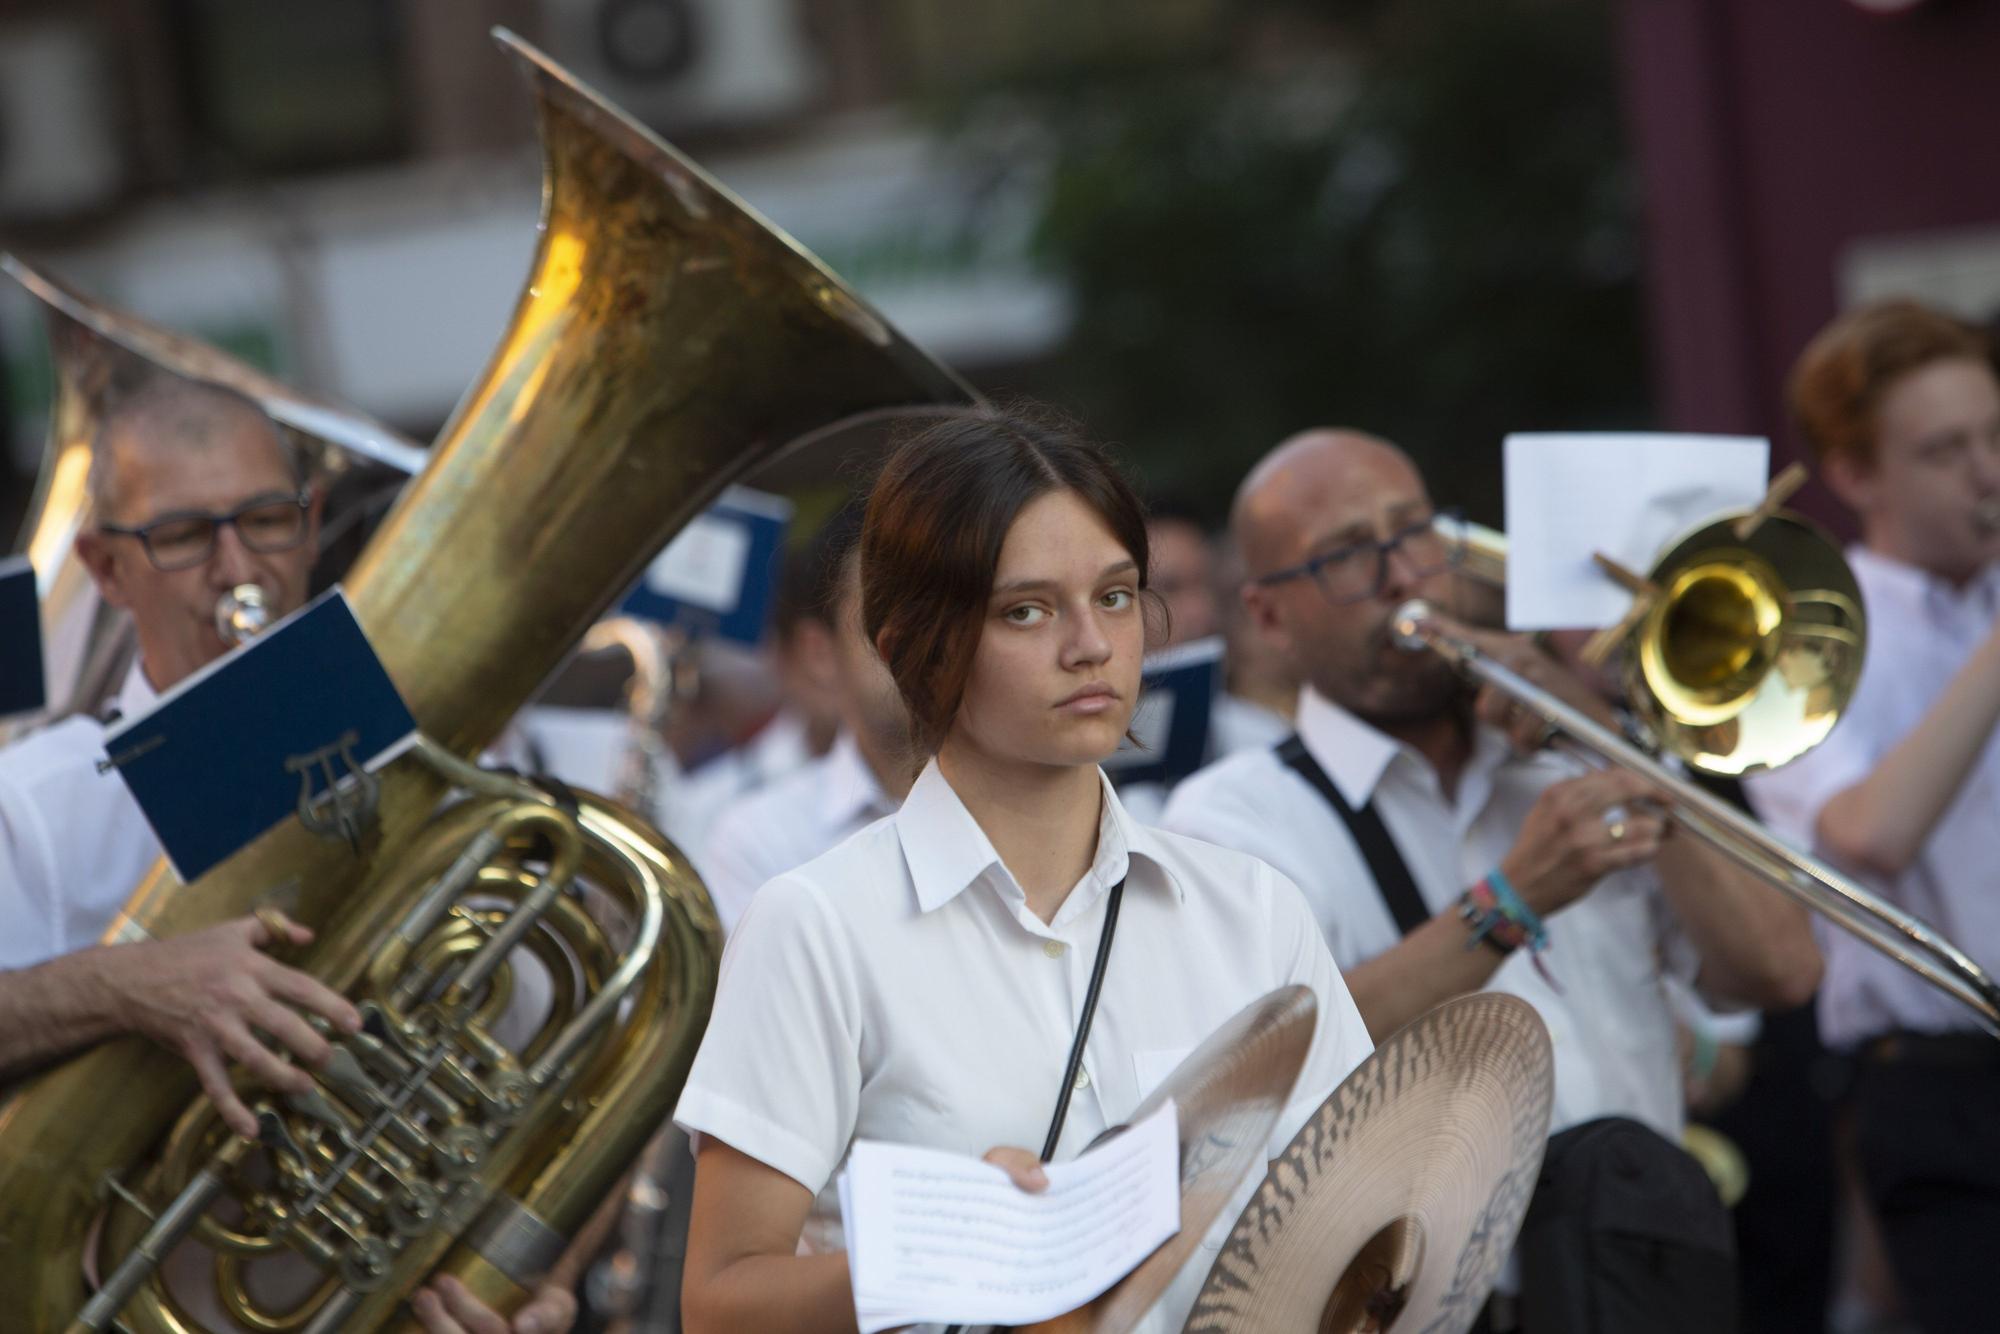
(1092, 699)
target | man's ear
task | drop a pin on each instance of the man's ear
(94, 550)
(1265, 618)
(1852, 478)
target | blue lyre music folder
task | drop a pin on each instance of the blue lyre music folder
(718, 575)
(23, 677)
(1176, 695)
(303, 708)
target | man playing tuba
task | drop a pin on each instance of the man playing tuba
(196, 492)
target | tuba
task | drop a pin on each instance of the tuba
(666, 341)
(98, 353)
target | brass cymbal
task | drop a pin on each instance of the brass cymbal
(1227, 1095)
(1400, 1199)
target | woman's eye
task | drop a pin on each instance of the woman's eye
(1118, 599)
(1024, 615)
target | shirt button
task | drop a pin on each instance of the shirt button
(1082, 1079)
(1055, 949)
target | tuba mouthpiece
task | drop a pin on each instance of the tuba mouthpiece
(242, 613)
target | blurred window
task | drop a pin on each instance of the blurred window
(291, 86)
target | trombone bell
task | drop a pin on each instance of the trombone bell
(1752, 646)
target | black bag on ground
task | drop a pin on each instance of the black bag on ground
(1625, 1235)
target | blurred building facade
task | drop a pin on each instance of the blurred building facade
(1799, 156)
(346, 193)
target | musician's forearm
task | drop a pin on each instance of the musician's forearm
(1430, 965)
(792, 1294)
(1881, 823)
(1756, 943)
(54, 1009)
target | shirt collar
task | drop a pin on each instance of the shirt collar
(1356, 756)
(849, 789)
(947, 851)
(136, 695)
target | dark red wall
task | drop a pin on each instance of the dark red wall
(1770, 135)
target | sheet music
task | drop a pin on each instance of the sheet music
(1627, 495)
(934, 1236)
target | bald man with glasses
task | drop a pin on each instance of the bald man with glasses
(1442, 851)
(195, 492)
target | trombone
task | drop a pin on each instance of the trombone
(1747, 646)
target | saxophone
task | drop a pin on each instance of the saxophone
(667, 341)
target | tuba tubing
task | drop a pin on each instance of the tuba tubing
(1903, 937)
(666, 342)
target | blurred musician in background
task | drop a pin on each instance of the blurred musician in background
(860, 779)
(1900, 407)
(1183, 574)
(196, 492)
(1438, 857)
(921, 983)
(1260, 689)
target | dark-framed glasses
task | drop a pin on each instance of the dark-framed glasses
(1358, 571)
(186, 538)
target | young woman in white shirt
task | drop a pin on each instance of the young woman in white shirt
(923, 981)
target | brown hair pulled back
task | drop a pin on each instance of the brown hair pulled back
(936, 519)
(1843, 373)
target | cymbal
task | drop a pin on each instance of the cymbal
(1227, 1095)
(1400, 1198)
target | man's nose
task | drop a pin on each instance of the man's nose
(232, 563)
(1400, 575)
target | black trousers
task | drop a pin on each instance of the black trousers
(1927, 1133)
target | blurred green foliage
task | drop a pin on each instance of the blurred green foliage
(1417, 217)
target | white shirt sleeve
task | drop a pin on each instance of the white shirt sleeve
(1340, 1039)
(1229, 815)
(1789, 798)
(30, 922)
(778, 1076)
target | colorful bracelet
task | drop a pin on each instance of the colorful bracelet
(1481, 915)
(1498, 916)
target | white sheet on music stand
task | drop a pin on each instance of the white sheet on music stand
(1627, 495)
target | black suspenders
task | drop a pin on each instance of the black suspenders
(1385, 863)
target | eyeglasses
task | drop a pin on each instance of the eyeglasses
(183, 540)
(1360, 570)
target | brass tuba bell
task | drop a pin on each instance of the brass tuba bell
(667, 341)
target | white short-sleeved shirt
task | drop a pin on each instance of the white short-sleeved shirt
(788, 822)
(73, 845)
(1611, 1022)
(1921, 631)
(899, 988)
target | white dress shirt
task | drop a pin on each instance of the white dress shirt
(73, 845)
(1611, 1022)
(788, 822)
(1920, 633)
(899, 988)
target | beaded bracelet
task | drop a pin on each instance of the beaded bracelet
(1499, 916)
(1476, 908)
